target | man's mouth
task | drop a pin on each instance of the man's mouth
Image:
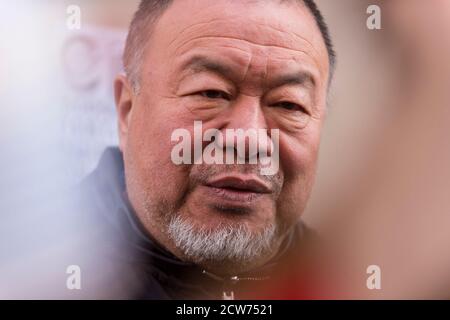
(238, 187)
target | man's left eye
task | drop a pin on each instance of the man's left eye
(289, 106)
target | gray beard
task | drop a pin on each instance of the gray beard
(226, 244)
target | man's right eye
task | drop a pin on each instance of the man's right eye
(214, 94)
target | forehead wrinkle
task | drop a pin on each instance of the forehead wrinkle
(227, 20)
(199, 60)
(197, 24)
(210, 28)
(234, 37)
(292, 33)
(298, 51)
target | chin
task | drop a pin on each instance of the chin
(222, 241)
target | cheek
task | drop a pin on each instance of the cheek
(149, 155)
(298, 160)
(298, 154)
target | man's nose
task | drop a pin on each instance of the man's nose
(246, 130)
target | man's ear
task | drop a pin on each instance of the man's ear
(123, 94)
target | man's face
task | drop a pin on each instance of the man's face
(231, 65)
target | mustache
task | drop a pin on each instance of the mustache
(202, 173)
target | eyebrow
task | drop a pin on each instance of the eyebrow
(199, 63)
(303, 78)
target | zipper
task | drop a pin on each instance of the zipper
(229, 294)
(234, 279)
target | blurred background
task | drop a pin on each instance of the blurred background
(382, 194)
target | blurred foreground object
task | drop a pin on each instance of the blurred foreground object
(398, 216)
